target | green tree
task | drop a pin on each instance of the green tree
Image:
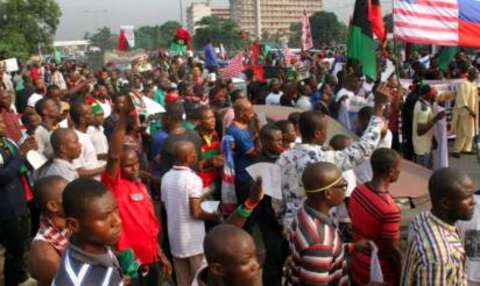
(153, 37)
(218, 31)
(27, 26)
(103, 38)
(325, 28)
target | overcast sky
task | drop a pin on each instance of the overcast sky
(79, 17)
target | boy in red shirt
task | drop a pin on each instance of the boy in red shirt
(140, 227)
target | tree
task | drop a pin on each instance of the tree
(218, 31)
(388, 21)
(325, 28)
(103, 38)
(27, 26)
(153, 37)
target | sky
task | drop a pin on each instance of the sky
(79, 17)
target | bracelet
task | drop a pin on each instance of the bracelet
(241, 211)
(249, 204)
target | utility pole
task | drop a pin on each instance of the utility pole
(181, 12)
(258, 20)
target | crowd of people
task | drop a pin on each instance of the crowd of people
(121, 195)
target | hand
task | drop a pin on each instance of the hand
(440, 115)
(382, 93)
(27, 145)
(256, 192)
(165, 264)
(218, 161)
(362, 245)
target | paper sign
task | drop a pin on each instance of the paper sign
(210, 206)
(11, 65)
(271, 178)
(36, 159)
(389, 70)
(152, 107)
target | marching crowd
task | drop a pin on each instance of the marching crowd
(121, 195)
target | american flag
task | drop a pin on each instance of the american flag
(234, 67)
(438, 22)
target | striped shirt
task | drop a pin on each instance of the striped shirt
(317, 251)
(435, 254)
(80, 268)
(375, 216)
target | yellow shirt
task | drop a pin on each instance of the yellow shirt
(422, 113)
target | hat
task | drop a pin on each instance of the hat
(96, 109)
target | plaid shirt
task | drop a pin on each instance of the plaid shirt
(57, 238)
(317, 251)
(435, 254)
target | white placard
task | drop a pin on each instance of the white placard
(271, 178)
(129, 34)
(11, 65)
(210, 206)
(36, 159)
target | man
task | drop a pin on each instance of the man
(375, 216)
(182, 195)
(318, 256)
(40, 91)
(49, 111)
(52, 237)
(100, 96)
(313, 128)
(273, 98)
(5, 82)
(245, 146)
(231, 257)
(422, 124)
(66, 148)
(435, 254)
(9, 116)
(13, 209)
(172, 122)
(210, 57)
(465, 114)
(348, 102)
(87, 164)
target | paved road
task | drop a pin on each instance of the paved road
(469, 164)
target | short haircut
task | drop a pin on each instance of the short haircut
(58, 137)
(294, 117)
(40, 105)
(283, 125)
(174, 111)
(191, 110)
(42, 187)
(26, 117)
(266, 132)
(383, 160)
(309, 123)
(202, 110)
(365, 113)
(76, 112)
(338, 141)
(221, 243)
(51, 88)
(444, 182)
(78, 194)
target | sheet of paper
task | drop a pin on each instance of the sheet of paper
(210, 206)
(11, 65)
(271, 178)
(389, 70)
(36, 159)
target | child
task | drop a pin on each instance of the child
(96, 132)
(91, 213)
(181, 194)
(52, 238)
(140, 227)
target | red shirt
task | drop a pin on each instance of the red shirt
(374, 216)
(140, 226)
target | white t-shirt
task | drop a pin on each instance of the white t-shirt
(88, 156)
(273, 98)
(33, 99)
(304, 103)
(186, 234)
(98, 138)
(470, 233)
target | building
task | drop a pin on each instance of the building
(272, 16)
(199, 9)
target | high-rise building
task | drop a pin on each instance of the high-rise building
(272, 16)
(199, 9)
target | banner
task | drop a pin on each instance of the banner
(129, 34)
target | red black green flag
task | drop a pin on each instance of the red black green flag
(367, 21)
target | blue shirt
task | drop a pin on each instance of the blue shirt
(157, 141)
(210, 56)
(243, 143)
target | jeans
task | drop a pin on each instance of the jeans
(13, 236)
